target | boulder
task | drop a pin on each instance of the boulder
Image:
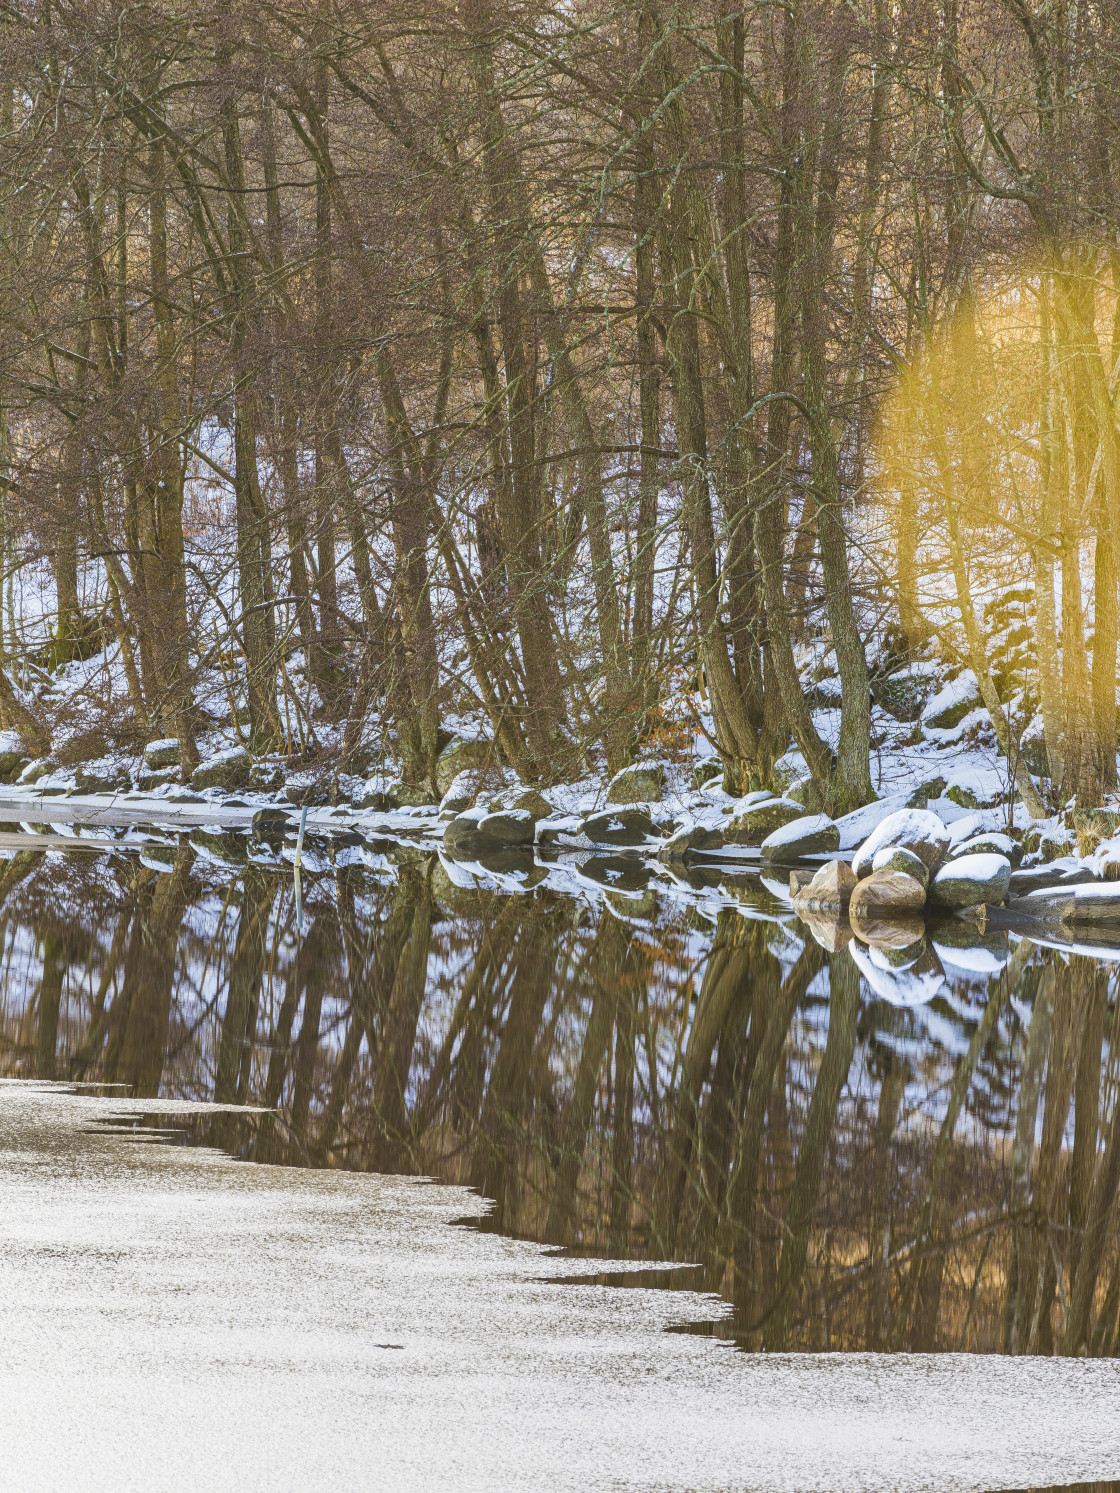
(411, 796)
(887, 893)
(531, 799)
(39, 767)
(229, 769)
(704, 772)
(904, 693)
(760, 819)
(641, 784)
(806, 793)
(988, 844)
(460, 793)
(827, 890)
(478, 830)
(162, 753)
(619, 827)
(812, 834)
(11, 756)
(921, 795)
(898, 858)
(460, 754)
(148, 782)
(692, 837)
(271, 824)
(917, 830)
(101, 779)
(952, 703)
(970, 880)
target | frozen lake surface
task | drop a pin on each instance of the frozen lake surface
(172, 1318)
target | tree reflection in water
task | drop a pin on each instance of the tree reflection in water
(623, 1072)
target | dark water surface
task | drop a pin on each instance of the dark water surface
(906, 1145)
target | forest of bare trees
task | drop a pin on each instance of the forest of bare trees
(364, 366)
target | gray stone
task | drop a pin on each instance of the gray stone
(971, 880)
(532, 800)
(641, 784)
(271, 823)
(952, 703)
(903, 694)
(988, 844)
(149, 781)
(693, 837)
(101, 780)
(920, 797)
(476, 831)
(828, 889)
(40, 767)
(705, 771)
(917, 830)
(898, 858)
(622, 826)
(229, 769)
(887, 893)
(162, 753)
(806, 793)
(11, 755)
(812, 834)
(411, 796)
(753, 825)
(459, 755)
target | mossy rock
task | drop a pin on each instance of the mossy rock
(643, 783)
(760, 820)
(101, 780)
(461, 754)
(705, 771)
(162, 753)
(411, 796)
(229, 770)
(622, 826)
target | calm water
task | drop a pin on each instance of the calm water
(891, 1148)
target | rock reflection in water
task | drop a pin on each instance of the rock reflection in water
(909, 1140)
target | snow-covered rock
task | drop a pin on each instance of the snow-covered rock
(760, 819)
(916, 830)
(855, 827)
(478, 830)
(643, 783)
(812, 834)
(460, 754)
(898, 858)
(986, 844)
(162, 753)
(691, 837)
(952, 702)
(621, 826)
(970, 880)
(228, 769)
(11, 754)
